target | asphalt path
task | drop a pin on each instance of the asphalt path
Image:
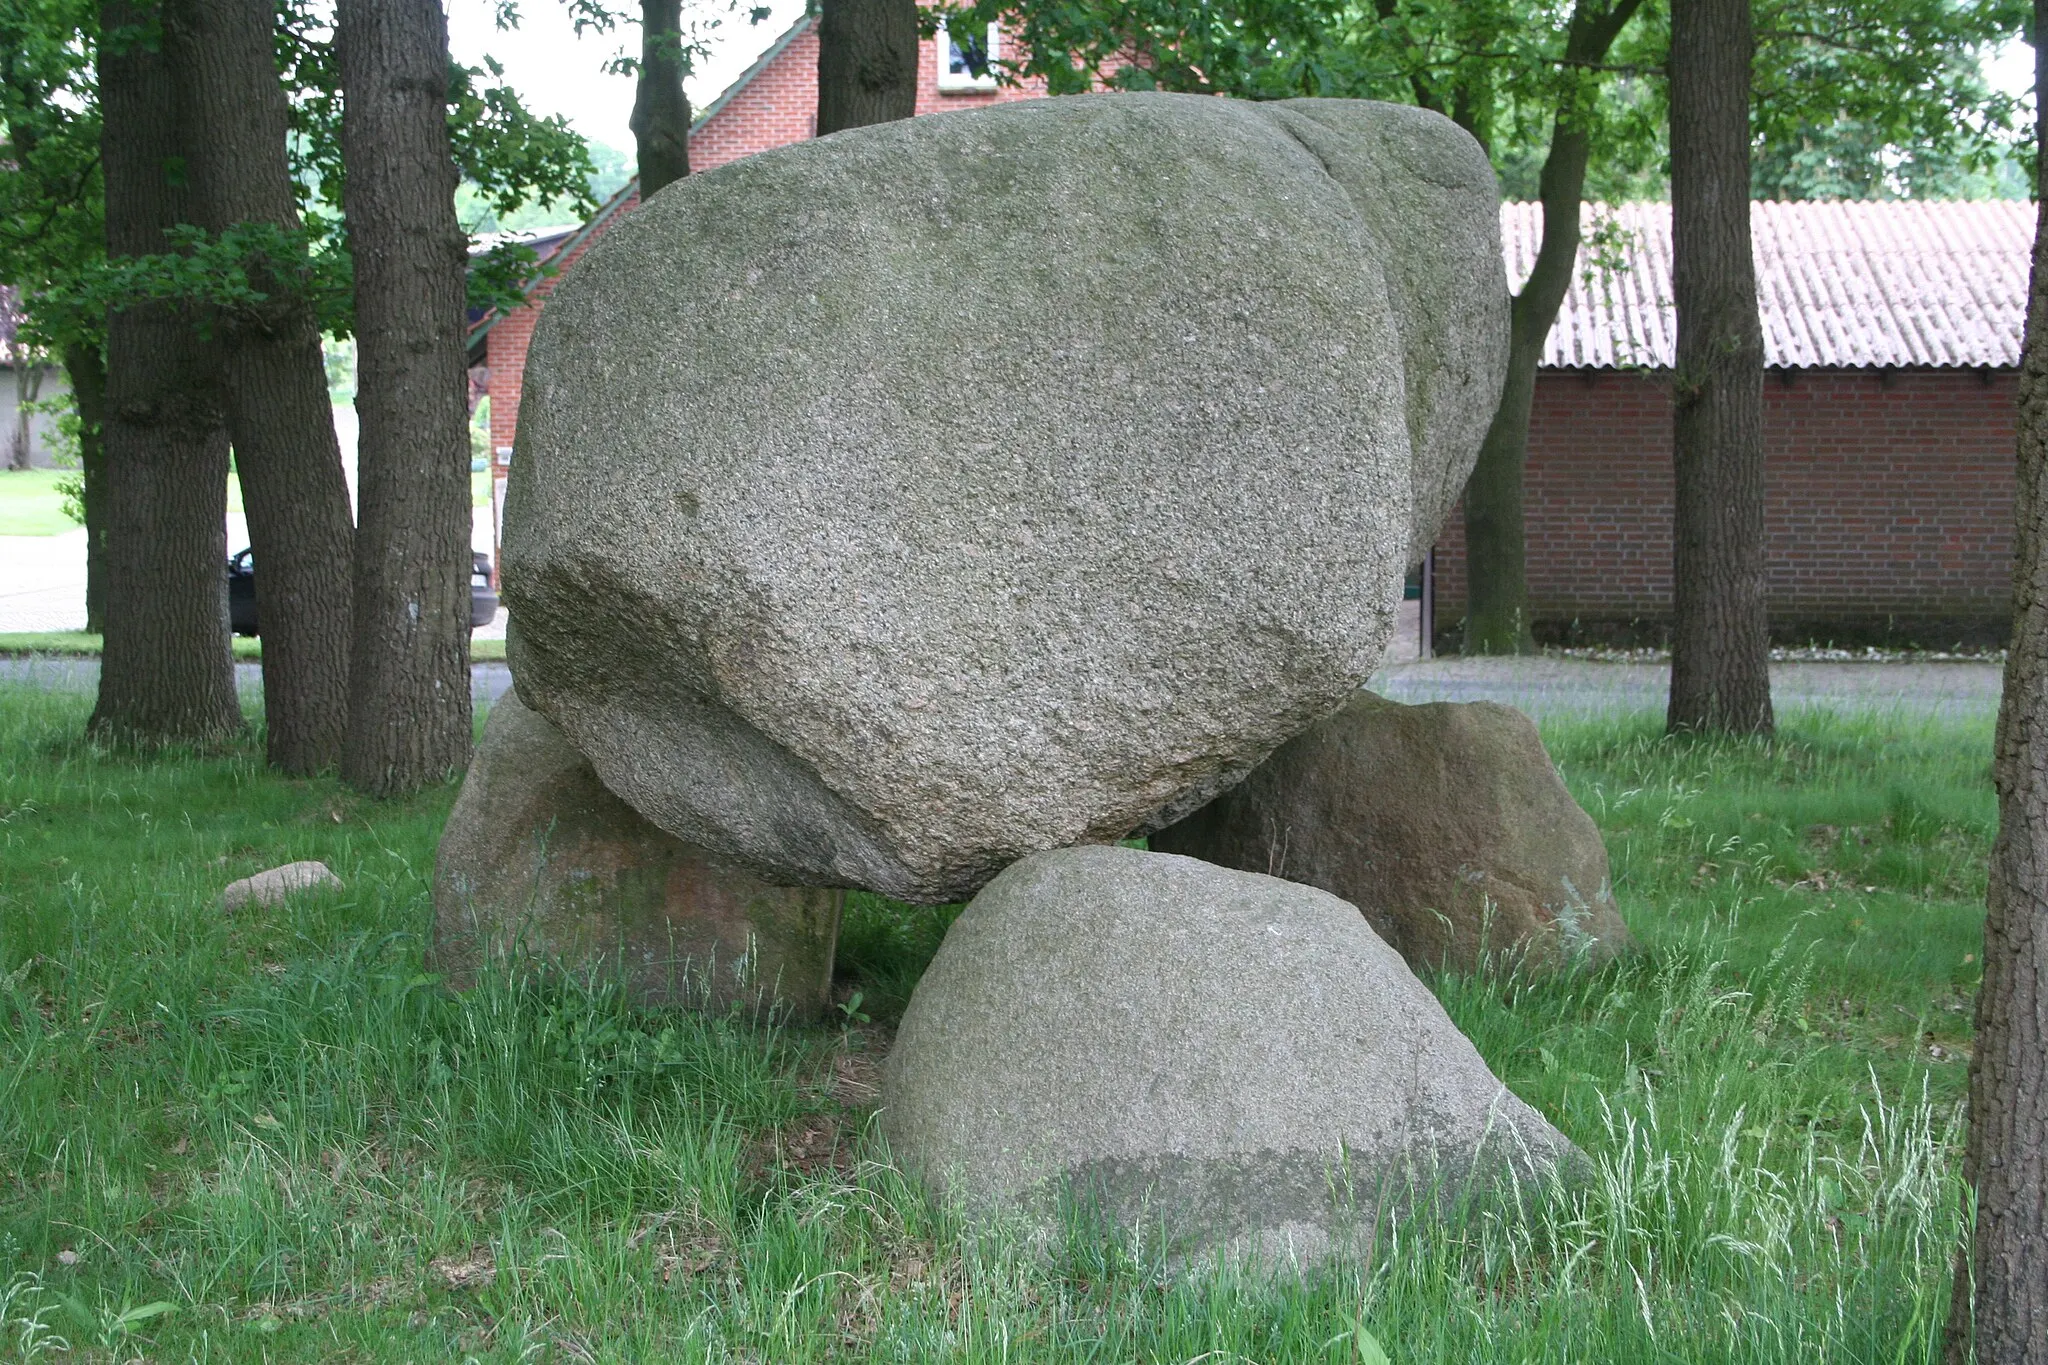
(1547, 686)
(1540, 686)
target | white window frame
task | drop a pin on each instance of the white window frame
(962, 83)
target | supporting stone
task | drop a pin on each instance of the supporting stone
(539, 862)
(1445, 823)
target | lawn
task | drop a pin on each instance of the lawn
(30, 504)
(85, 644)
(274, 1136)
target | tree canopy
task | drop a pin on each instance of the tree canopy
(1853, 98)
(52, 241)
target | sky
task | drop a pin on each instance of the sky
(557, 73)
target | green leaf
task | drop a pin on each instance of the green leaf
(1370, 1352)
(134, 1317)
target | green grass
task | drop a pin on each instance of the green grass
(83, 644)
(30, 504)
(272, 1136)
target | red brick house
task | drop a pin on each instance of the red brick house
(1892, 339)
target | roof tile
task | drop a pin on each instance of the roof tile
(1839, 285)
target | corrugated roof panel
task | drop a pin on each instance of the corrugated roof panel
(1839, 285)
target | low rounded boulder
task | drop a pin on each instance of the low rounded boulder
(1231, 1063)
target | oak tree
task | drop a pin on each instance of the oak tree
(867, 62)
(1720, 632)
(1999, 1312)
(661, 111)
(222, 57)
(409, 714)
(165, 673)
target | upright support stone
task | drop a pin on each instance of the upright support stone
(540, 862)
(1445, 823)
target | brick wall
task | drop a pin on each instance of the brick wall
(1889, 512)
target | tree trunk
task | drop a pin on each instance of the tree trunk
(409, 717)
(279, 417)
(28, 387)
(867, 62)
(85, 367)
(661, 111)
(1497, 585)
(165, 670)
(1496, 575)
(2005, 1161)
(1720, 629)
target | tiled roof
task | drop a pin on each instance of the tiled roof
(1841, 285)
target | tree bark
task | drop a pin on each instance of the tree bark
(28, 387)
(1497, 585)
(661, 111)
(278, 413)
(165, 669)
(867, 62)
(409, 717)
(2005, 1161)
(85, 367)
(1720, 629)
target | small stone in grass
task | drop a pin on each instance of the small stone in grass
(471, 1270)
(272, 887)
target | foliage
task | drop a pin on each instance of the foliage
(52, 241)
(278, 1122)
(1852, 96)
(702, 19)
(51, 220)
(613, 169)
(230, 278)
(1879, 98)
(502, 273)
(509, 154)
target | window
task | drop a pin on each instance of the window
(965, 64)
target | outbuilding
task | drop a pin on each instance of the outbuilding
(1891, 346)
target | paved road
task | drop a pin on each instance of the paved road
(1542, 687)
(1574, 687)
(42, 582)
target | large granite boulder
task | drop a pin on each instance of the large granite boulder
(1225, 1059)
(539, 862)
(891, 505)
(1445, 823)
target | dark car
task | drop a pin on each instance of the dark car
(483, 598)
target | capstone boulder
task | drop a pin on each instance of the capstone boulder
(894, 504)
